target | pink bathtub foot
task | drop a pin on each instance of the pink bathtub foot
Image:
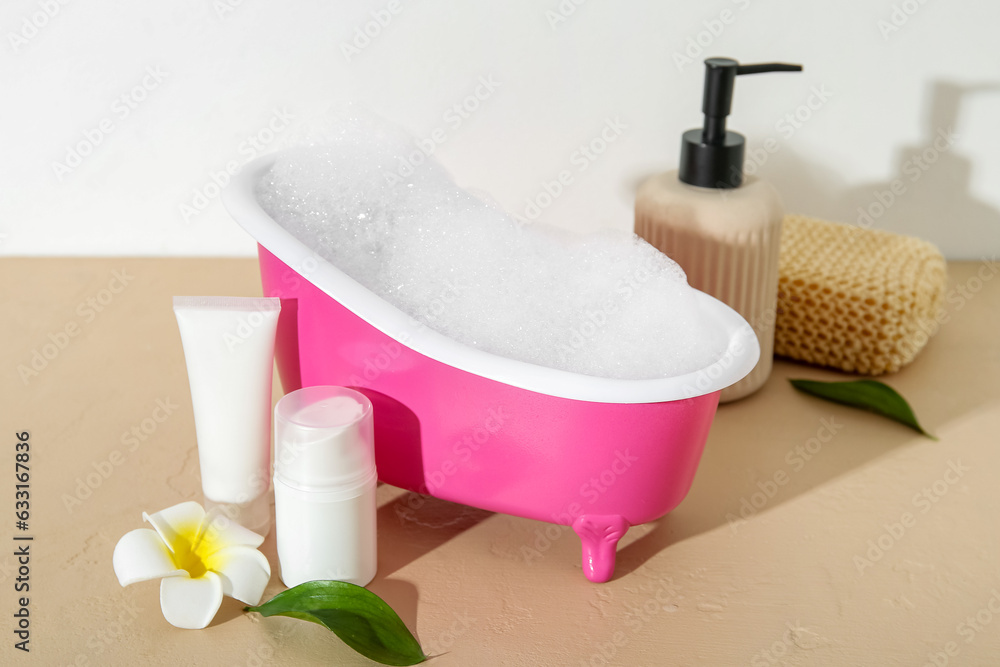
(599, 534)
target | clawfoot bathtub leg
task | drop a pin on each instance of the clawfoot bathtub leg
(599, 534)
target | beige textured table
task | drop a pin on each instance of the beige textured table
(860, 542)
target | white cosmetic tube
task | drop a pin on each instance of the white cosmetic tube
(229, 348)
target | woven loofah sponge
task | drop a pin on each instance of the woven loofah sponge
(860, 300)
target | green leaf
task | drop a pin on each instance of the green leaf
(870, 395)
(359, 617)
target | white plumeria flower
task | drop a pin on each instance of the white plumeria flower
(199, 557)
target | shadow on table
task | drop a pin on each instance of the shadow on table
(413, 525)
(752, 466)
(410, 527)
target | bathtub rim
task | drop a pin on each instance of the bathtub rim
(739, 358)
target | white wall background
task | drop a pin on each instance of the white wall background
(156, 97)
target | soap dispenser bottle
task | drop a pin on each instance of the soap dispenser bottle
(722, 227)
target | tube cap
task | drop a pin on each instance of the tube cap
(254, 515)
(324, 439)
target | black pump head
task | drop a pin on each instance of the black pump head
(712, 157)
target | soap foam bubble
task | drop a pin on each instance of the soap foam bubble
(605, 304)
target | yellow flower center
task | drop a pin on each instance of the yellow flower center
(192, 550)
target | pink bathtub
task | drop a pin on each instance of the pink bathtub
(464, 425)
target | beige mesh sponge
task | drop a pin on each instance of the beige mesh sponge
(859, 300)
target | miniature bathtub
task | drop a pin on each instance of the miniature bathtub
(464, 425)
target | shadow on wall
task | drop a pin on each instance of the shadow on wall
(929, 195)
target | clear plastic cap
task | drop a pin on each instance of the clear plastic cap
(324, 439)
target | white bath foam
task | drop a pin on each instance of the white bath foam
(605, 304)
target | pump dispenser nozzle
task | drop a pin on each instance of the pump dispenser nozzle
(712, 157)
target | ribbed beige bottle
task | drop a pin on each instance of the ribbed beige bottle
(726, 240)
